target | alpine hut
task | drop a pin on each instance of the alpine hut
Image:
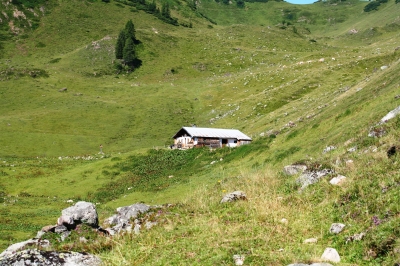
(189, 137)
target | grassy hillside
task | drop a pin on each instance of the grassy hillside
(295, 78)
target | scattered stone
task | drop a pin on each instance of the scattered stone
(353, 31)
(290, 124)
(62, 90)
(337, 180)
(149, 224)
(384, 67)
(352, 149)
(294, 169)
(234, 196)
(330, 254)
(238, 259)
(356, 237)
(310, 241)
(349, 163)
(328, 149)
(336, 228)
(60, 228)
(377, 132)
(284, 221)
(311, 177)
(137, 229)
(40, 257)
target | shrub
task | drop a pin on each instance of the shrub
(372, 6)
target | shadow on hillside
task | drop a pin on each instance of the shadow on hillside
(137, 63)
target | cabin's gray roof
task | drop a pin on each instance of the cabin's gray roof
(213, 133)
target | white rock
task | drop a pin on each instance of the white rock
(390, 115)
(284, 221)
(337, 180)
(330, 254)
(328, 149)
(238, 259)
(310, 241)
(336, 228)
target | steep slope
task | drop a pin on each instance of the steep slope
(295, 78)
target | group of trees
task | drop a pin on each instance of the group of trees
(373, 5)
(125, 48)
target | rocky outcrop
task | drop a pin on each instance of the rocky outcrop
(81, 212)
(378, 130)
(14, 248)
(126, 219)
(312, 177)
(53, 258)
(234, 196)
(294, 169)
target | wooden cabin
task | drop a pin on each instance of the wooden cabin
(189, 137)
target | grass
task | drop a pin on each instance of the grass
(240, 68)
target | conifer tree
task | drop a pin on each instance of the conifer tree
(129, 53)
(119, 47)
(125, 47)
(130, 31)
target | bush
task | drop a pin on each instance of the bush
(372, 6)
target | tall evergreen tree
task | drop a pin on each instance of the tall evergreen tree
(119, 47)
(129, 53)
(130, 31)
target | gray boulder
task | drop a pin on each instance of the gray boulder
(312, 177)
(294, 169)
(336, 228)
(126, 218)
(127, 213)
(330, 254)
(234, 196)
(81, 212)
(40, 257)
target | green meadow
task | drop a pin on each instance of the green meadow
(296, 78)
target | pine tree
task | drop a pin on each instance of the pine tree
(130, 31)
(119, 47)
(129, 53)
